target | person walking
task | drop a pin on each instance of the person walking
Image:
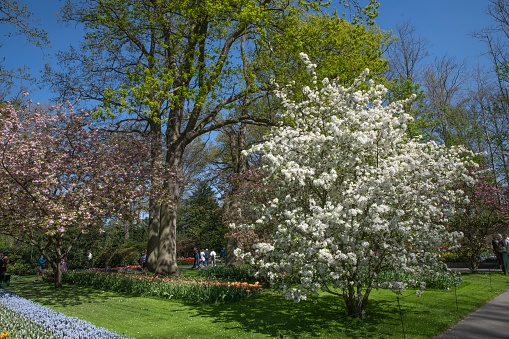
(223, 256)
(89, 259)
(202, 259)
(196, 259)
(5, 262)
(207, 257)
(504, 253)
(497, 243)
(212, 258)
(143, 258)
(40, 267)
(64, 264)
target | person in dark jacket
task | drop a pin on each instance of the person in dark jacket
(223, 256)
(196, 259)
(5, 262)
(497, 243)
(40, 267)
(207, 257)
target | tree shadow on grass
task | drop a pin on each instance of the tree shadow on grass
(273, 315)
(69, 295)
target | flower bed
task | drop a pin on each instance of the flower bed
(18, 326)
(26, 319)
(180, 261)
(197, 291)
(453, 257)
(488, 258)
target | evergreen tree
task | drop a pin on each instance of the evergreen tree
(200, 218)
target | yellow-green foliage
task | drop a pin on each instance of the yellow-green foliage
(340, 49)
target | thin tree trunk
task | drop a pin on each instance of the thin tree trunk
(57, 266)
(237, 145)
(126, 230)
(356, 303)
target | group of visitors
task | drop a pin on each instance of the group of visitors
(205, 258)
(500, 245)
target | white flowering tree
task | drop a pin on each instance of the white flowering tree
(358, 205)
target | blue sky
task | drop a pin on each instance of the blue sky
(446, 23)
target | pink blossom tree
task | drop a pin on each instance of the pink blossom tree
(60, 177)
(485, 214)
(241, 194)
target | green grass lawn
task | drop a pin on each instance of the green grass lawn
(271, 314)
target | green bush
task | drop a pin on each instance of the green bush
(20, 268)
(229, 273)
(20, 262)
(118, 257)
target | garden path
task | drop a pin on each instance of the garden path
(489, 321)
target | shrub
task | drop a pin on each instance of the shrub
(20, 262)
(117, 257)
(185, 247)
(20, 268)
(227, 273)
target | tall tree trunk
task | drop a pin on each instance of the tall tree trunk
(154, 214)
(167, 258)
(58, 273)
